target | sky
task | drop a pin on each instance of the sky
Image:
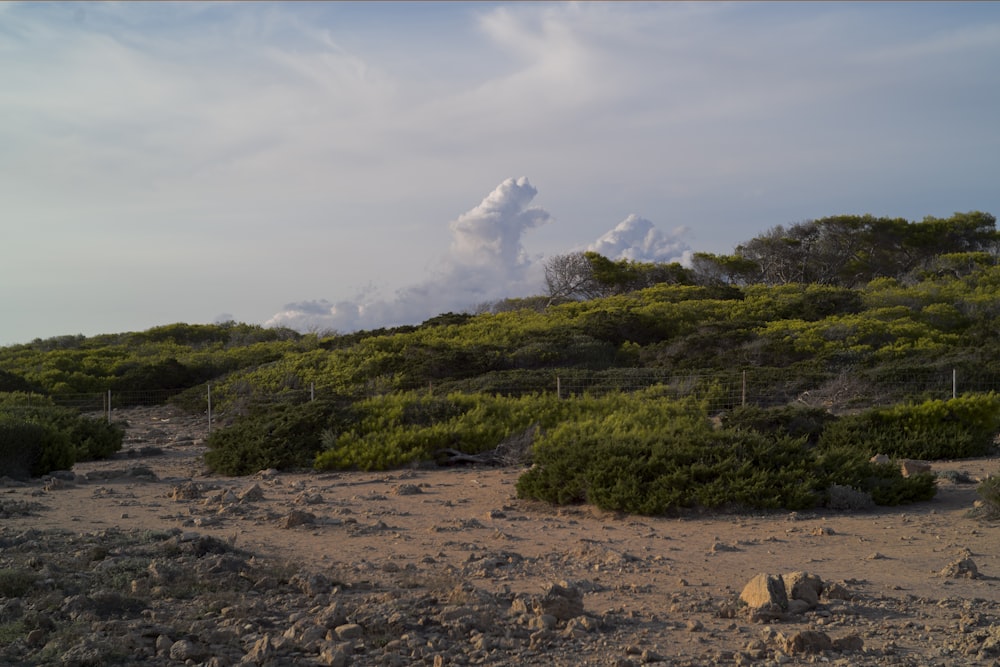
(344, 166)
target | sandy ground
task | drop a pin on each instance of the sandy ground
(390, 526)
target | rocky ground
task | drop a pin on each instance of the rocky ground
(149, 559)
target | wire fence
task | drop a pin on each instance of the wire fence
(718, 391)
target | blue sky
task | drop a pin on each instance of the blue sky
(346, 165)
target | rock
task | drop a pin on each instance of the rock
(848, 644)
(332, 657)
(262, 652)
(909, 467)
(963, 568)
(562, 601)
(306, 498)
(881, 459)
(185, 649)
(297, 518)
(765, 592)
(406, 490)
(837, 591)
(807, 641)
(349, 631)
(251, 494)
(803, 586)
(186, 491)
(312, 584)
(798, 607)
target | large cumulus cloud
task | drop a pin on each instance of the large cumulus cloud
(486, 261)
(640, 240)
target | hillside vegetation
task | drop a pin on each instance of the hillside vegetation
(762, 379)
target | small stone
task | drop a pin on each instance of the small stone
(807, 641)
(185, 649)
(349, 631)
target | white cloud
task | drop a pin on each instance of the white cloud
(638, 239)
(485, 262)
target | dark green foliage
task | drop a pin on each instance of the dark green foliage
(95, 438)
(14, 382)
(660, 473)
(16, 582)
(845, 312)
(30, 449)
(793, 421)
(283, 435)
(989, 491)
(668, 470)
(957, 428)
(169, 375)
(39, 437)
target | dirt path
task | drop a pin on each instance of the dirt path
(440, 528)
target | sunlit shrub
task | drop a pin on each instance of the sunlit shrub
(937, 429)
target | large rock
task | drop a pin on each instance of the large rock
(803, 586)
(807, 641)
(765, 592)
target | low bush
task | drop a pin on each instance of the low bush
(688, 465)
(29, 449)
(282, 435)
(90, 438)
(989, 492)
(961, 427)
(790, 420)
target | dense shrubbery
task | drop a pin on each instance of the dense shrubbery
(690, 465)
(281, 435)
(30, 449)
(845, 312)
(956, 428)
(37, 436)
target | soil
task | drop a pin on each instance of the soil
(661, 589)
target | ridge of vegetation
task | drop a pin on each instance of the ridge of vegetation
(856, 300)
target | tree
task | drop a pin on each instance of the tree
(590, 275)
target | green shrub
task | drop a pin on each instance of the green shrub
(283, 436)
(793, 421)
(989, 491)
(90, 438)
(665, 467)
(957, 428)
(95, 438)
(662, 470)
(15, 582)
(29, 449)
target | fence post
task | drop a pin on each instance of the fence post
(954, 383)
(312, 392)
(743, 391)
(558, 387)
(209, 385)
(109, 406)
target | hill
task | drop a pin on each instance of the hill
(761, 379)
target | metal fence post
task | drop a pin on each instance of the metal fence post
(954, 383)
